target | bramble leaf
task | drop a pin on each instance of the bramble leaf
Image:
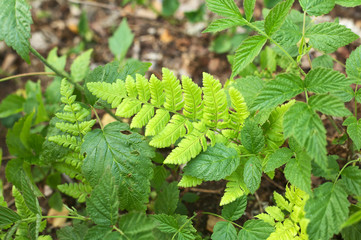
(353, 64)
(178, 225)
(329, 105)
(276, 16)
(80, 67)
(121, 40)
(317, 7)
(224, 231)
(235, 210)
(352, 178)
(167, 199)
(255, 230)
(323, 80)
(224, 23)
(189, 181)
(354, 130)
(7, 216)
(252, 174)
(226, 8)
(277, 159)
(249, 6)
(136, 225)
(348, 3)
(10, 105)
(252, 137)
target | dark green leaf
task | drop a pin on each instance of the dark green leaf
(352, 232)
(224, 231)
(178, 225)
(352, 178)
(353, 64)
(77, 232)
(317, 7)
(255, 230)
(167, 199)
(80, 66)
(56, 202)
(8, 216)
(28, 193)
(169, 7)
(137, 226)
(159, 177)
(354, 130)
(330, 172)
(252, 137)
(121, 40)
(277, 159)
(215, 163)
(276, 16)
(99, 233)
(235, 210)
(252, 174)
(197, 15)
(329, 105)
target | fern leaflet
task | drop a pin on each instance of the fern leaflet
(189, 181)
(76, 190)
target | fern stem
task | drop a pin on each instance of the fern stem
(26, 75)
(356, 101)
(97, 116)
(216, 215)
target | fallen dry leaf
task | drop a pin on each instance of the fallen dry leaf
(57, 222)
(212, 220)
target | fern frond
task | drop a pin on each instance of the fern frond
(240, 113)
(193, 105)
(235, 187)
(66, 89)
(189, 147)
(157, 123)
(76, 190)
(74, 129)
(171, 133)
(128, 108)
(142, 88)
(156, 91)
(173, 91)
(66, 141)
(74, 159)
(189, 181)
(143, 116)
(131, 87)
(69, 170)
(215, 111)
(69, 116)
(113, 93)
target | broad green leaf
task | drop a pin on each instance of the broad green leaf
(28, 193)
(225, 8)
(34, 102)
(268, 59)
(324, 61)
(277, 159)
(235, 210)
(121, 40)
(10, 105)
(103, 204)
(353, 64)
(80, 67)
(329, 105)
(317, 7)
(302, 123)
(196, 15)
(252, 137)
(277, 91)
(353, 219)
(323, 80)
(247, 52)
(354, 130)
(327, 209)
(8, 216)
(159, 177)
(348, 3)
(255, 230)
(55, 60)
(98, 232)
(178, 225)
(249, 87)
(249, 8)
(352, 179)
(169, 7)
(330, 172)
(252, 174)
(329, 36)
(352, 232)
(167, 199)
(276, 16)
(136, 225)
(224, 231)
(224, 23)
(15, 18)
(216, 163)
(77, 232)
(128, 157)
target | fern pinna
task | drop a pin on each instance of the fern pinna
(171, 110)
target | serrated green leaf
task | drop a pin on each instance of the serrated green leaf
(55, 60)
(329, 105)
(80, 67)
(353, 64)
(215, 163)
(352, 232)
(252, 174)
(189, 181)
(277, 91)
(167, 199)
(268, 59)
(330, 172)
(15, 18)
(136, 225)
(327, 209)
(29, 196)
(277, 159)
(192, 94)
(173, 91)
(99, 232)
(8, 216)
(276, 16)
(255, 230)
(224, 231)
(224, 23)
(10, 105)
(352, 178)
(348, 3)
(354, 130)
(329, 36)
(324, 61)
(159, 177)
(225, 8)
(246, 52)
(77, 232)
(235, 210)
(317, 7)
(354, 219)
(178, 225)
(323, 80)
(121, 40)
(169, 7)
(248, 6)
(252, 137)
(249, 87)
(128, 157)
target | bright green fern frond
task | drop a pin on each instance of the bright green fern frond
(157, 123)
(66, 89)
(68, 169)
(215, 111)
(156, 91)
(143, 116)
(69, 116)
(189, 181)
(74, 129)
(76, 190)
(171, 133)
(193, 105)
(74, 159)
(240, 113)
(235, 187)
(128, 108)
(131, 87)
(66, 141)
(189, 147)
(173, 91)
(142, 88)
(113, 93)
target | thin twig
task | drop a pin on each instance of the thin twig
(273, 182)
(96, 4)
(26, 75)
(259, 202)
(219, 191)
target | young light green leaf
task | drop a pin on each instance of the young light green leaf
(277, 91)
(167, 199)
(348, 3)
(329, 36)
(268, 59)
(277, 159)
(353, 64)
(189, 181)
(136, 225)
(80, 67)
(169, 7)
(317, 7)
(326, 218)
(329, 105)
(249, 87)
(255, 230)
(249, 8)
(224, 23)
(225, 8)
(224, 231)
(55, 60)
(276, 16)
(246, 52)
(252, 174)
(235, 210)
(252, 137)
(352, 232)
(354, 130)
(323, 80)
(8, 216)
(121, 40)
(352, 178)
(216, 163)
(15, 18)
(10, 105)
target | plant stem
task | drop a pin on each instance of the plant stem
(343, 168)
(96, 114)
(26, 75)
(190, 219)
(120, 231)
(216, 215)
(339, 62)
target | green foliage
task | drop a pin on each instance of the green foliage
(235, 210)
(169, 7)
(121, 40)
(76, 190)
(255, 229)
